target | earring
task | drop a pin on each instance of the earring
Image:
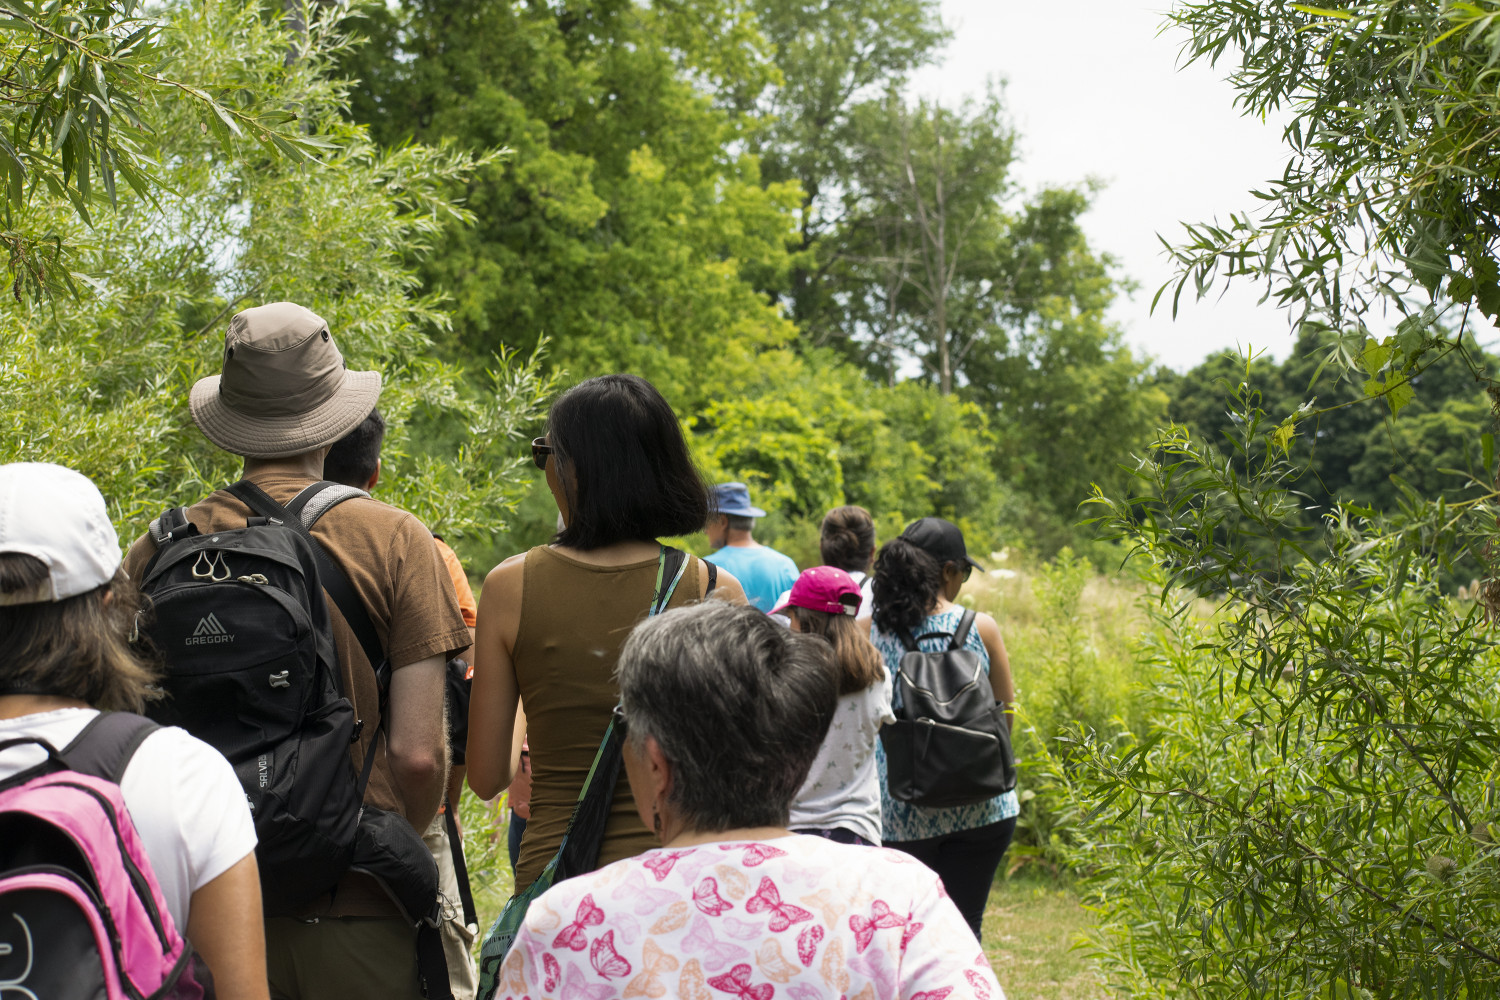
(656, 821)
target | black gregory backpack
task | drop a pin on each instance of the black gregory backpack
(240, 619)
(386, 847)
(949, 745)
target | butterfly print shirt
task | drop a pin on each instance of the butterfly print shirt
(793, 918)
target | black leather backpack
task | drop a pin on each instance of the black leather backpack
(949, 745)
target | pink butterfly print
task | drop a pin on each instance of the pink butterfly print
(981, 988)
(933, 994)
(737, 981)
(706, 896)
(908, 933)
(805, 991)
(717, 954)
(661, 864)
(864, 927)
(552, 972)
(807, 944)
(742, 929)
(876, 967)
(643, 897)
(758, 854)
(575, 988)
(576, 935)
(609, 963)
(783, 915)
(693, 862)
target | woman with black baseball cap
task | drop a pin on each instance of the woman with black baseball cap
(917, 577)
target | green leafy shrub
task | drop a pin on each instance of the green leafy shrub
(1310, 813)
(1070, 634)
(100, 381)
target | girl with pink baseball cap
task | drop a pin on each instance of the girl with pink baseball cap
(841, 798)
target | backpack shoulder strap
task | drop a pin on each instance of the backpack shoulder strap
(106, 745)
(713, 577)
(669, 569)
(907, 640)
(961, 634)
(319, 498)
(172, 525)
(330, 575)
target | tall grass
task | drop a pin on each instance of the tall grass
(1071, 636)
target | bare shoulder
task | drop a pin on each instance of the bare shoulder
(988, 628)
(508, 572)
(727, 588)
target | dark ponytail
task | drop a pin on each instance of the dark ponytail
(847, 539)
(906, 586)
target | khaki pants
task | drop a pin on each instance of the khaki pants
(333, 958)
(458, 937)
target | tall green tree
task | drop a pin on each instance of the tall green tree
(833, 56)
(1354, 447)
(626, 220)
(1386, 205)
(100, 381)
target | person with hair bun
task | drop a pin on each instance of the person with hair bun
(840, 799)
(552, 620)
(917, 578)
(846, 540)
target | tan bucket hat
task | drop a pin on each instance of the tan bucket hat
(285, 389)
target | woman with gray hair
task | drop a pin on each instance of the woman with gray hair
(724, 712)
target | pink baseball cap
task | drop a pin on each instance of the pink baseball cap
(824, 588)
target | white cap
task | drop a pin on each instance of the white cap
(58, 516)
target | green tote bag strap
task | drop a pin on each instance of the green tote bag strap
(579, 851)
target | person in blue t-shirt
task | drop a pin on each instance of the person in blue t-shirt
(762, 571)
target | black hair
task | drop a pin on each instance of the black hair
(740, 522)
(354, 457)
(739, 705)
(906, 585)
(847, 539)
(624, 464)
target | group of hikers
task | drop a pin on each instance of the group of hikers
(230, 761)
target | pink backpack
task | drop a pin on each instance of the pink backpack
(81, 914)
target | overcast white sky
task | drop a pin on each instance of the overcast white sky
(1096, 92)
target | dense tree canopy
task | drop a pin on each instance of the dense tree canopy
(100, 381)
(623, 223)
(1351, 450)
(708, 194)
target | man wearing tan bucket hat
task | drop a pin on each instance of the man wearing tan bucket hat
(284, 396)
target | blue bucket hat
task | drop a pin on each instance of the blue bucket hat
(733, 498)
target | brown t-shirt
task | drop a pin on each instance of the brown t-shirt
(390, 560)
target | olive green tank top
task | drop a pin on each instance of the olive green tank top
(575, 617)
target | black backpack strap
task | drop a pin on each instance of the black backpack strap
(961, 634)
(460, 866)
(672, 565)
(907, 639)
(713, 577)
(329, 573)
(171, 526)
(104, 747)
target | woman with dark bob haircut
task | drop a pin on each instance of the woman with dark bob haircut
(724, 712)
(552, 620)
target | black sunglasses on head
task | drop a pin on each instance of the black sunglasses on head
(540, 449)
